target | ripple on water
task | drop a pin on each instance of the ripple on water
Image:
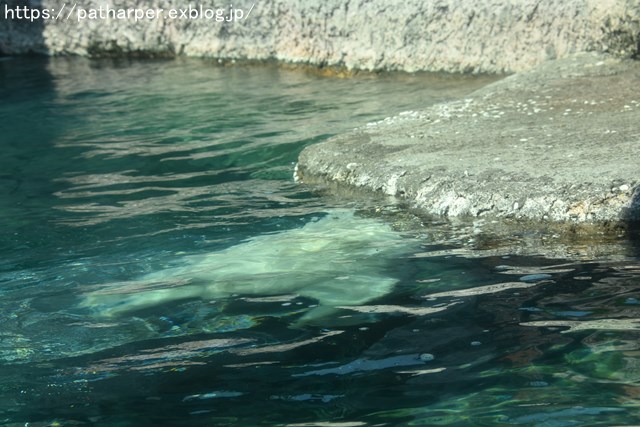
(113, 171)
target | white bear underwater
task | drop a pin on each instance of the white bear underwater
(338, 260)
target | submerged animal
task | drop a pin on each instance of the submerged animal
(338, 260)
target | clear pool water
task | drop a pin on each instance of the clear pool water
(159, 266)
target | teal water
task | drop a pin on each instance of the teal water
(160, 267)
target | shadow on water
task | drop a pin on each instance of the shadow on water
(28, 172)
(27, 140)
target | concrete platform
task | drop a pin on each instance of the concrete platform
(557, 144)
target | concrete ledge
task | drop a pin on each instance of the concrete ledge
(490, 36)
(559, 143)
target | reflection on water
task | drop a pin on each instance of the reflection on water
(160, 267)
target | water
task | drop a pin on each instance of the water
(160, 267)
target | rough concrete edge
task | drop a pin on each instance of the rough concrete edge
(339, 178)
(487, 237)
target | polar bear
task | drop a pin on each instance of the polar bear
(340, 259)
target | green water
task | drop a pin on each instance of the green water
(160, 267)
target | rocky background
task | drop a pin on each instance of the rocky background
(487, 36)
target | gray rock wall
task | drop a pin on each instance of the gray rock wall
(439, 35)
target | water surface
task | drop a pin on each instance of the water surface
(123, 182)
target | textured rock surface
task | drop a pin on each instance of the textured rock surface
(449, 35)
(560, 142)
